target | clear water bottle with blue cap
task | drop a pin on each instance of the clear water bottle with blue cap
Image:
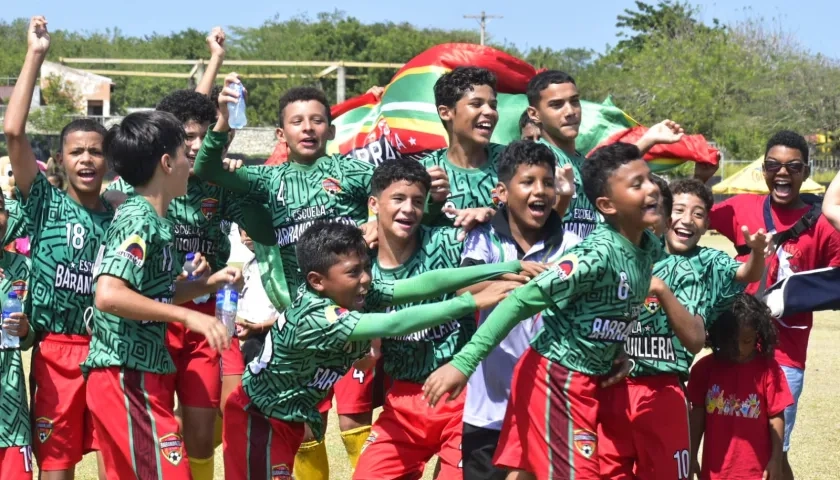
(190, 268)
(227, 303)
(10, 305)
(236, 111)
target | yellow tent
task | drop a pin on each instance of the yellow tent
(750, 179)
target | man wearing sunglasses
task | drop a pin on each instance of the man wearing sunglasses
(804, 241)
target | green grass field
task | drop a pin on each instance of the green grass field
(815, 442)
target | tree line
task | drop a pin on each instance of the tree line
(736, 83)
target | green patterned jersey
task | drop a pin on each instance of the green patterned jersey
(333, 188)
(596, 291)
(139, 250)
(65, 238)
(14, 408)
(413, 357)
(306, 351)
(653, 344)
(581, 216)
(201, 219)
(16, 224)
(468, 187)
(718, 271)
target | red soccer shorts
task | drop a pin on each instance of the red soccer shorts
(63, 431)
(232, 361)
(643, 429)
(550, 427)
(16, 462)
(357, 391)
(198, 380)
(256, 446)
(408, 433)
(138, 433)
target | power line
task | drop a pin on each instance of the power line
(482, 20)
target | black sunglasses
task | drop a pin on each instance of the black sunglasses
(773, 166)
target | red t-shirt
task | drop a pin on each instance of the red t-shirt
(740, 399)
(819, 247)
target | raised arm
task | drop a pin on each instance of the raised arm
(24, 165)
(751, 270)
(831, 202)
(216, 44)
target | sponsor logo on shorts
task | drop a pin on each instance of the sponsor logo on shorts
(209, 207)
(566, 266)
(334, 313)
(331, 185)
(43, 428)
(371, 438)
(281, 472)
(585, 442)
(652, 304)
(172, 448)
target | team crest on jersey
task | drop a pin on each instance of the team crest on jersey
(585, 442)
(281, 472)
(209, 206)
(43, 428)
(331, 185)
(172, 448)
(652, 304)
(334, 313)
(134, 249)
(566, 266)
(19, 287)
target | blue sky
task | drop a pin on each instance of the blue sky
(532, 23)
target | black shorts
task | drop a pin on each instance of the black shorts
(478, 447)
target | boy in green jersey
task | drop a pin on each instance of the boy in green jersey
(15, 428)
(554, 105)
(322, 334)
(590, 301)
(129, 368)
(643, 426)
(65, 231)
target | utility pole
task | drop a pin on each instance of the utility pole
(482, 20)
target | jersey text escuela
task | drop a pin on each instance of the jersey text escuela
(306, 351)
(652, 343)
(333, 188)
(201, 220)
(597, 290)
(414, 357)
(581, 217)
(139, 250)
(468, 187)
(65, 238)
(15, 428)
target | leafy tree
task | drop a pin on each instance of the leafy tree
(61, 99)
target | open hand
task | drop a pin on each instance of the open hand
(564, 181)
(759, 242)
(212, 329)
(446, 379)
(37, 36)
(469, 218)
(666, 131)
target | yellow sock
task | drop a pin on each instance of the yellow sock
(354, 440)
(311, 461)
(202, 468)
(217, 434)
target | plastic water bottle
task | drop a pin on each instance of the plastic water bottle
(227, 303)
(190, 268)
(10, 306)
(236, 111)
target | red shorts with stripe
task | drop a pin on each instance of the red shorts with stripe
(256, 446)
(198, 380)
(408, 433)
(357, 391)
(232, 361)
(63, 431)
(550, 427)
(139, 435)
(643, 429)
(16, 463)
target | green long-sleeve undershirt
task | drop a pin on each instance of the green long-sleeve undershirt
(412, 319)
(524, 302)
(209, 167)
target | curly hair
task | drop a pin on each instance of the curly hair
(189, 106)
(452, 86)
(747, 312)
(790, 139)
(603, 163)
(692, 186)
(523, 152)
